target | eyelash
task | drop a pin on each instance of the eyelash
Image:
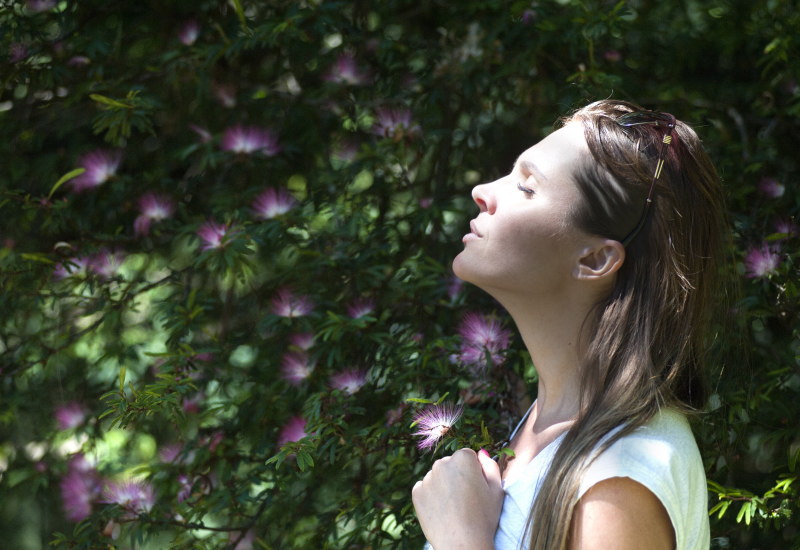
(526, 190)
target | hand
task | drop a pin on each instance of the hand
(458, 502)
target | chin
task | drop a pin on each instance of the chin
(465, 271)
(459, 268)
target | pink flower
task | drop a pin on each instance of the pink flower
(250, 139)
(77, 494)
(349, 381)
(612, 56)
(302, 341)
(70, 415)
(272, 203)
(135, 497)
(346, 71)
(395, 124)
(37, 6)
(189, 33)
(786, 227)
(483, 337)
(287, 304)
(770, 187)
(360, 307)
(435, 422)
(107, 264)
(293, 430)
(295, 367)
(73, 267)
(153, 208)
(100, 166)
(761, 261)
(80, 487)
(213, 235)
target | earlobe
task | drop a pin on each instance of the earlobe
(600, 261)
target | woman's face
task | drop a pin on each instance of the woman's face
(523, 239)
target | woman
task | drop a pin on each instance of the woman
(604, 244)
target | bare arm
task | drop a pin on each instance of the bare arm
(622, 514)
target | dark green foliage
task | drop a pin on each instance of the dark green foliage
(173, 353)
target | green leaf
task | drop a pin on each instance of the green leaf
(33, 256)
(110, 102)
(65, 178)
(743, 511)
(237, 5)
(721, 508)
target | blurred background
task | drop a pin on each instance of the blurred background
(226, 230)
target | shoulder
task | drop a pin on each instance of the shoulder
(622, 514)
(662, 460)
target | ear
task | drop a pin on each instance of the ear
(601, 260)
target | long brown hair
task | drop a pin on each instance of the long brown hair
(645, 344)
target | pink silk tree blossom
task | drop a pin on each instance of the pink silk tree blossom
(435, 422)
(761, 261)
(301, 341)
(483, 341)
(286, 303)
(296, 367)
(349, 380)
(153, 207)
(360, 307)
(770, 187)
(272, 203)
(248, 140)
(395, 124)
(133, 496)
(293, 430)
(213, 234)
(345, 70)
(189, 33)
(99, 166)
(70, 415)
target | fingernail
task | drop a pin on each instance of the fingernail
(484, 452)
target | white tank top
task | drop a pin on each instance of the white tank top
(661, 455)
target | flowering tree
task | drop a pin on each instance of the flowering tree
(229, 320)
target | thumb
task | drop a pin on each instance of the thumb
(491, 471)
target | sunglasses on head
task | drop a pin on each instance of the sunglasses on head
(652, 118)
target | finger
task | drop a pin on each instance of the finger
(491, 471)
(415, 492)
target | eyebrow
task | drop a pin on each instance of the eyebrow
(530, 166)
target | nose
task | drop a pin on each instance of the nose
(484, 198)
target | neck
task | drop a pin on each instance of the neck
(550, 328)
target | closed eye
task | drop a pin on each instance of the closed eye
(524, 189)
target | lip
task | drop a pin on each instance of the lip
(474, 229)
(473, 234)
